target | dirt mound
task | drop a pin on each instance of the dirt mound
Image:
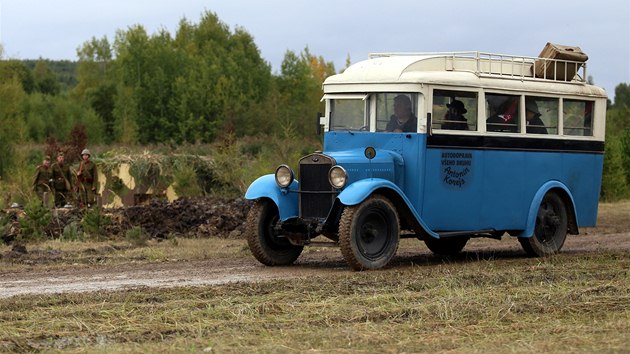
(198, 217)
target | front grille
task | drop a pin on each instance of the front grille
(316, 197)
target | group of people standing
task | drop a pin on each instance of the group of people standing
(58, 180)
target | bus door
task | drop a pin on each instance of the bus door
(454, 164)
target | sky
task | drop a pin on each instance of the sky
(336, 29)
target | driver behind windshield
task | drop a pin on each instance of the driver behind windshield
(403, 119)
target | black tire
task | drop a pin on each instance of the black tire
(369, 233)
(265, 245)
(551, 228)
(447, 246)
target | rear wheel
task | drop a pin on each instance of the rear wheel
(448, 246)
(265, 243)
(551, 228)
(369, 233)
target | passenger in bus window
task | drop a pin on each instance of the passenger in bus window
(403, 119)
(535, 125)
(454, 117)
(505, 117)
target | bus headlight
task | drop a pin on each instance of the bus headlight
(337, 176)
(284, 176)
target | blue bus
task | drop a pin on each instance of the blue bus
(443, 147)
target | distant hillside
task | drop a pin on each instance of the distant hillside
(65, 70)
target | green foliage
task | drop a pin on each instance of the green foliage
(15, 69)
(185, 181)
(45, 79)
(11, 97)
(94, 221)
(203, 82)
(18, 186)
(5, 225)
(35, 220)
(299, 91)
(72, 232)
(614, 180)
(237, 163)
(622, 96)
(63, 72)
(625, 154)
(137, 236)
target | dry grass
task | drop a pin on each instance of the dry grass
(613, 217)
(559, 304)
(572, 302)
(59, 254)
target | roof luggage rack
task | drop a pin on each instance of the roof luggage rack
(555, 63)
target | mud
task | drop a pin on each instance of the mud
(322, 261)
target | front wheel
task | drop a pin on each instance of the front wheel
(369, 233)
(551, 228)
(263, 240)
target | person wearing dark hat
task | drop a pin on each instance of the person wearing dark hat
(403, 119)
(87, 180)
(43, 179)
(535, 125)
(61, 181)
(454, 117)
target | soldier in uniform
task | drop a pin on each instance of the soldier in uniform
(43, 179)
(61, 181)
(87, 180)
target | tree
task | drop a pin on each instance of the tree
(299, 87)
(190, 88)
(97, 82)
(10, 69)
(614, 182)
(622, 96)
(45, 80)
(11, 97)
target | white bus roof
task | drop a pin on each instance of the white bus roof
(466, 69)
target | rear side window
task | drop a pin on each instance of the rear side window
(541, 115)
(454, 110)
(578, 117)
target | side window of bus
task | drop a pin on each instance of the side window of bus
(578, 117)
(541, 115)
(454, 110)
(502, 111)
(396, 112)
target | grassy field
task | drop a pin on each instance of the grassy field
(559, 304)
(567, 303)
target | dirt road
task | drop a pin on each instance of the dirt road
(84, 278)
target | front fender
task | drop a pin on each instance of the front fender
(538, 197)
(358, 191)
(286, 201)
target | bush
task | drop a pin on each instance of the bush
(35, 220)
(72, 232)
(137, 236)
(185, 181)
(93, 222)
(614, 181)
